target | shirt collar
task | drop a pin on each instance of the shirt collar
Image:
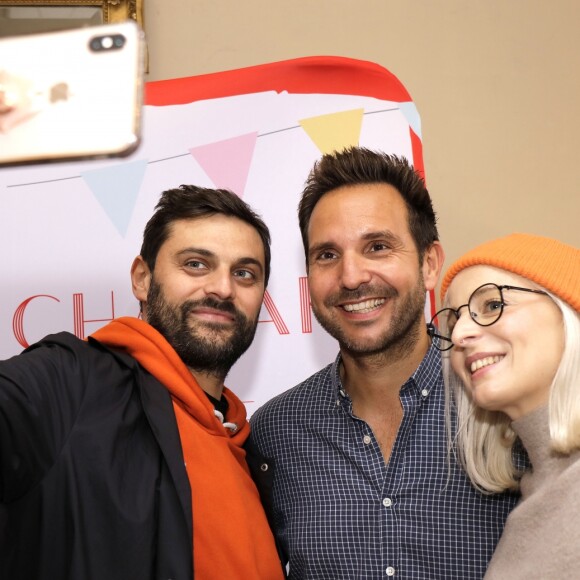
(421, 381)
(425, 377)
(339, 395)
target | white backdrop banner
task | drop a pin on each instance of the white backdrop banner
(71, 230)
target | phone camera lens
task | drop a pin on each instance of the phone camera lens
(112, 42)
(95, 44)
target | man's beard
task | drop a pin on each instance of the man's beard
(201, 344)
(400, 336)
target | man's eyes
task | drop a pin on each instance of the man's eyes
(245, 274)
(195, 265)
(326, 255)
(379, 247)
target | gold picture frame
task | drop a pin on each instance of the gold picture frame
(30, 16)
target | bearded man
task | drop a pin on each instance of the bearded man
(122, 456)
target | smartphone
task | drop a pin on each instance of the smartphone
(71, 95)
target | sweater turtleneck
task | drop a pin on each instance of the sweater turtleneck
(542, 534)
(533, 430)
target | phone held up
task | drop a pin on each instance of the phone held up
(71, 95)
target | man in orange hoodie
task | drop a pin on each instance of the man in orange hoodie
(122, 456)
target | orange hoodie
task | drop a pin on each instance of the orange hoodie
(231, 536)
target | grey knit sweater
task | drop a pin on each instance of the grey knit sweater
(541, 538)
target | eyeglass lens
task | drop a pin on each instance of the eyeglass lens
(485, 307)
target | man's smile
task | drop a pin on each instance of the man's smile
(364, 306)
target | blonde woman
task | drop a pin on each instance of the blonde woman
(511, 331)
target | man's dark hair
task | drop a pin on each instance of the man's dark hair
(190, 202)
(356, 166)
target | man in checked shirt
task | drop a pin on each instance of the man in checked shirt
(363, 485)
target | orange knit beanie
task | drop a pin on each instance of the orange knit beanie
(552, 264)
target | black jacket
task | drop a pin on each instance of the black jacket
(92, 480)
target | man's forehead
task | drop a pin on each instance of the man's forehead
(212, 226)
(357, 211)
(194, 223)
(216, 234)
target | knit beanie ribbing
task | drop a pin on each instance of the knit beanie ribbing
(550, 263)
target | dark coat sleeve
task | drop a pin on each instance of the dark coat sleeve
(91, 469)
(41, 391)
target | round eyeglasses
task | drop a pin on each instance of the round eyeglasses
(485, 306)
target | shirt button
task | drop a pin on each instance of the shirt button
(387, 502)
(366, 439)
(424, 392)
(390, 571)
(264, 467)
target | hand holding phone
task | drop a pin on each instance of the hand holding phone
(70, 95)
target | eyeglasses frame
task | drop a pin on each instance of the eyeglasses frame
(432, 329)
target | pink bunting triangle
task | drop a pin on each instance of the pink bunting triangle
(227, 163)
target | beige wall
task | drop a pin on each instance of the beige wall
(496, 82)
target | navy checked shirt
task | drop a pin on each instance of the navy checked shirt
(340, 512)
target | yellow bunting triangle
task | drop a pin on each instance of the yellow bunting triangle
(335, 131)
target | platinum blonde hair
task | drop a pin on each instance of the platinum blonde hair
(484, 441)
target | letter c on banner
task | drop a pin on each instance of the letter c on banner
(18, 319)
